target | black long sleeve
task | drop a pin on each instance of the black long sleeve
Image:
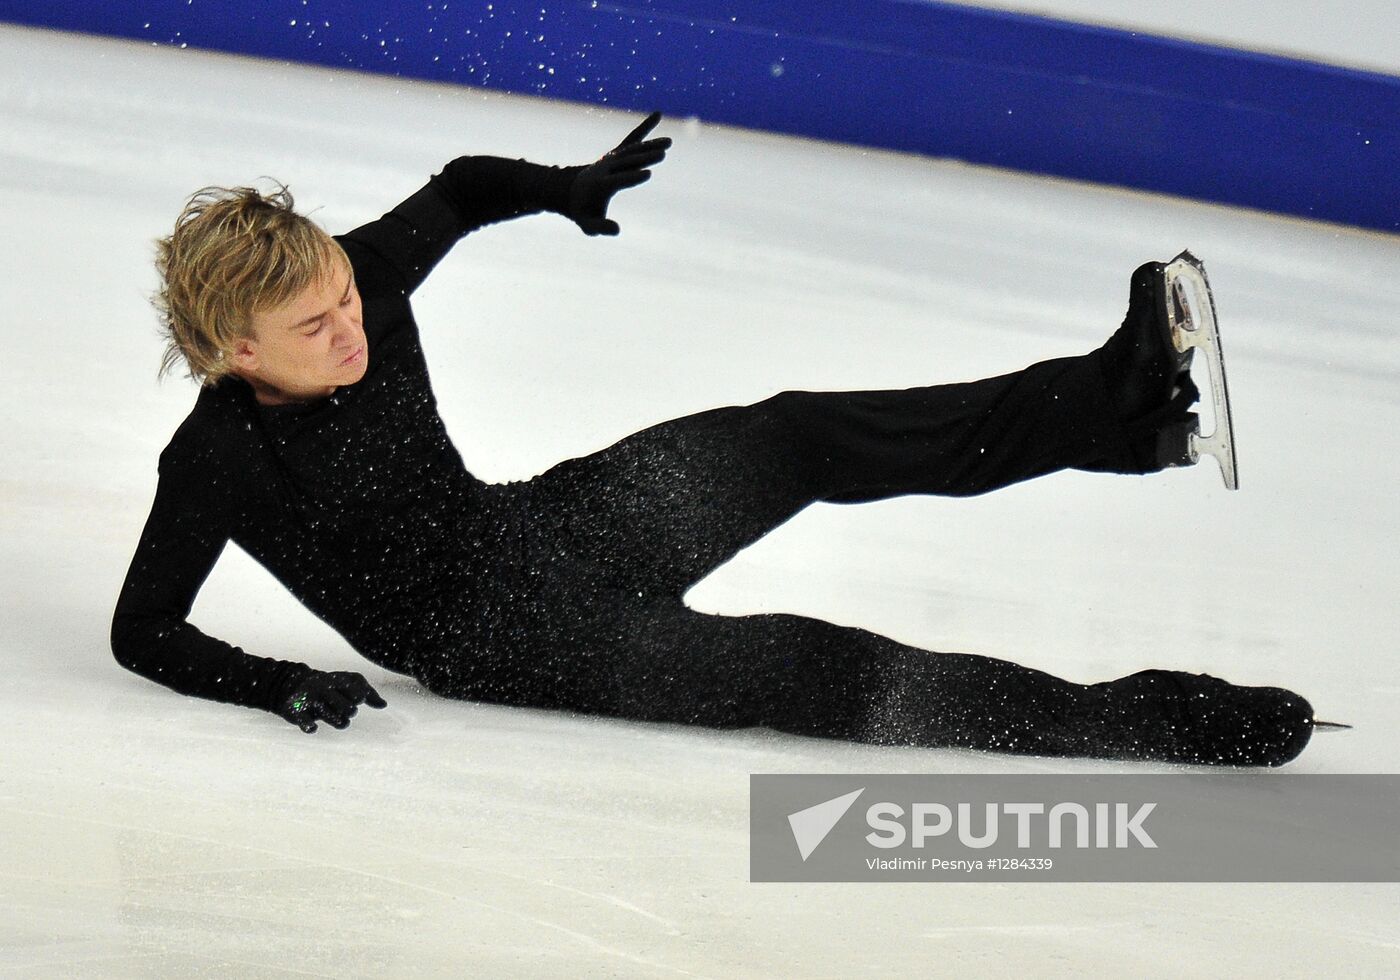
(151, 635)
(350, 502)
(469, 193)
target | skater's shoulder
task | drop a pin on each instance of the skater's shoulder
(216, 424)
(359, 251)
(375, 274)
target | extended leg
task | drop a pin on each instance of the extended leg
(665, 662)
(806, 676)
(665, 506)
(574, 640)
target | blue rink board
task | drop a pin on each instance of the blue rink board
(989, 87)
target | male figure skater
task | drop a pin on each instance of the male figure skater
(315, 444)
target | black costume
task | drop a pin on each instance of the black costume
(564, 591)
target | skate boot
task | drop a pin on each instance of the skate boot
(1141, 364)
(1147, 365)
(1148, 379)
(1171, 716)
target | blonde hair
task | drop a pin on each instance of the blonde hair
(234, 252)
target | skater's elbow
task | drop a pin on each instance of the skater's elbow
(130, 637)
(121, 640)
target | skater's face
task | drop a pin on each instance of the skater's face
(310, 345)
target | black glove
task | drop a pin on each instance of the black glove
(331, 696)
(623, 166)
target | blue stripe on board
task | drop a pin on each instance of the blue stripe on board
(989, 87)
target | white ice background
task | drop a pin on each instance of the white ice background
(1352, 33)
(147, 834)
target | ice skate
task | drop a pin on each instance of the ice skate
(1173, 716)
(1147, 364)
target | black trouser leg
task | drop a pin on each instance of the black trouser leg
(657, 660)
(805, 676)
(665, 506)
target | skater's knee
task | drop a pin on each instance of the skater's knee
(789, 404)
(803, 417)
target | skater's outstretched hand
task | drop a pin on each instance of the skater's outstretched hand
(623, 166)
(329, 696)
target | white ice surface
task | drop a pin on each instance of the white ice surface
(145, 834)
(1350, 33)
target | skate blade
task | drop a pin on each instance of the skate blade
(1329, 726)
(1191, 317)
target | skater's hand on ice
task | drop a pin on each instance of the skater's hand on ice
(329, 696)
(623, 166)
